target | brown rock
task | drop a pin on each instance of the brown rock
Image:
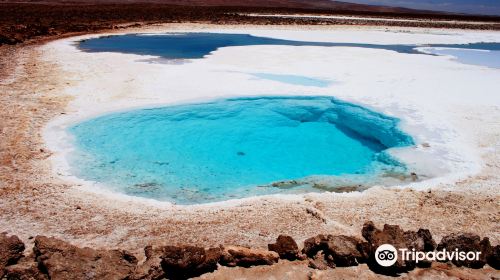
(429, 243)
(365, 249)
(467, 242)
(420, 241)
(338, 250)
(392, 235)
(286, 247)
(188, 261)
(319, 262)
(151, 268)
(368, 231)
(62, 260)
(246, 257)
(494, 257)
(25, 269)
(314, 244)
(11, 250)
(344, 250)
(395, 236)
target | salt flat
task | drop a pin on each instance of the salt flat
(431, 94)
(451, 109)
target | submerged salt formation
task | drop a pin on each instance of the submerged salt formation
(226, 148)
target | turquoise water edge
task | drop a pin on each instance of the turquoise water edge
(294, 79)
(235, 148)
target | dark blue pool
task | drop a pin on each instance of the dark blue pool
(197, 45)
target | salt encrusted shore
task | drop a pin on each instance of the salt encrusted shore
(52, 85)
(426, 92)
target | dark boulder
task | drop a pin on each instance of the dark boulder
(368, 231)
(344, 250)
(246, 257)
(9, 40)
(466, 242)
(26, 269)
(338, 250)
(428, 241)
(365, 248)
(11, 250)
(421, 241)
(494, 257)
(286, 247)
(64, 261)
(182, 262)
(395, 236)
(314, 244)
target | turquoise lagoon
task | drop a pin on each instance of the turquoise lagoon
(235, 148)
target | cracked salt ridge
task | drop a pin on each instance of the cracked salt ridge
(369, 125)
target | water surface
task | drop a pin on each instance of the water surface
(234, 148)
(488, 58)
(294, 79)
(198, 45)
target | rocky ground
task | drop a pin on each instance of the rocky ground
(20, 22)
(321, 257)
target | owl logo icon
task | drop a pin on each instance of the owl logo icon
(386, 255)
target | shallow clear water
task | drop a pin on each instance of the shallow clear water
(234, 148)
(493, 46)
(294, 79)
(488, 58)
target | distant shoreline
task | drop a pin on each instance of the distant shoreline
(26, 22)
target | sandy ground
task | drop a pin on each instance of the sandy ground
(381, 19)
(300, 271)
(53, 85)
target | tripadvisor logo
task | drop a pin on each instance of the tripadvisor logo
(387, 255)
